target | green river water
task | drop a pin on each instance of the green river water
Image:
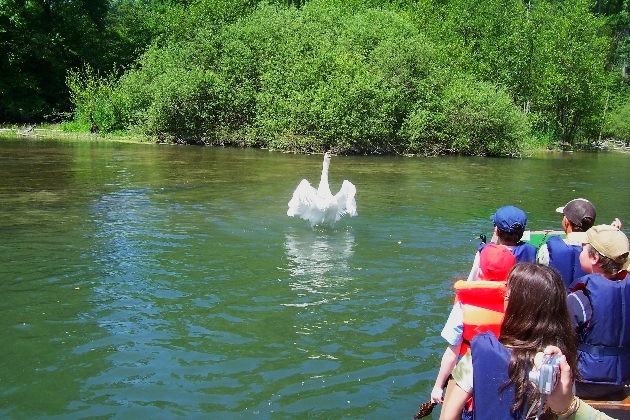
(148, 281)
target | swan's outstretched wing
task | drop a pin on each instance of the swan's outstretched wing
(345, 200)
(303, 200)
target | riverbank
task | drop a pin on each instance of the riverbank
(55, 131)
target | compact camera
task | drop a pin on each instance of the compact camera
(547, 376)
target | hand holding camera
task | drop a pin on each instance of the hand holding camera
(561, 399)
(547, 376)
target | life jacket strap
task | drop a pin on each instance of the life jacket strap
(601, 351)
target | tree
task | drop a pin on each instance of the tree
(40, 40)
(569, 68)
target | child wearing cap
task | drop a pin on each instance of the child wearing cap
(478, 308)
(598, 307)
(578, 215)
(509, 226)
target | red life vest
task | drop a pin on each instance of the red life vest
(482, 308)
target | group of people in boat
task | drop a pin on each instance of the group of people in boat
(521, 304)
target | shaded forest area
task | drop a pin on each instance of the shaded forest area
(409, 77)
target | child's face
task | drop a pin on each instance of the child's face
(586, 261)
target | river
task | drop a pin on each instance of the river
(158, 281)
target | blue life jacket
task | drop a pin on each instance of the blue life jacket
(566, 259)
(523, 252)
(604, 349)
(490, 361)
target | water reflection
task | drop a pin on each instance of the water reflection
(318, 264)
(133, 299)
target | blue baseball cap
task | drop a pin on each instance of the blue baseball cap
(510, 219)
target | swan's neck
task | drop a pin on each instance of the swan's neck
(323, 183)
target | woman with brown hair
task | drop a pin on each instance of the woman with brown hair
(536, 316)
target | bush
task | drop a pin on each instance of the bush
(471, 117)
(173, 92)
(347, 80)
(482, 120)
(92, 95)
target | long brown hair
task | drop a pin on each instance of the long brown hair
(536, 316)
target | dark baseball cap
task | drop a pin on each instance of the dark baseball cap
(580, 212)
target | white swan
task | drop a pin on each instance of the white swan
(319, 206)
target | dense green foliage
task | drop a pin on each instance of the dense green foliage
(314, 78)
(377, 76)
(618, 122)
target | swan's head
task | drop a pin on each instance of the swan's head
(327, 155)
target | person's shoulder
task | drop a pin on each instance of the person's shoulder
(573, 239)
(555, 240)
(524, 244)
(542, 256)
(580, 283)
(579, 295)
(579, 306)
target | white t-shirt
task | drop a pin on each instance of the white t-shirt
(454, 327)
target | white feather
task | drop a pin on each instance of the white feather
(319, 206)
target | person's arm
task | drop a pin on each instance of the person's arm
(454, 401)
(474, 271)
(562, 401)
(449, 359)
(580, 309)
(586, 412)
(543, 255)
(452, 333)
(459, 389)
